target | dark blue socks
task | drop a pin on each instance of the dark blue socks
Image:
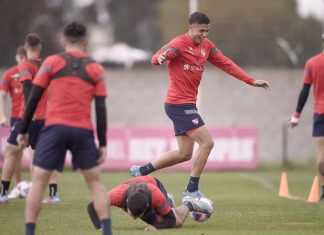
(193, 184)
(147, 169)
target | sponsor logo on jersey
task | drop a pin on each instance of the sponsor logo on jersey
(188, 67)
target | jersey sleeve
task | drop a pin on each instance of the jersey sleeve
(159, 202)
(25, 72)
(307, 79)
(5, 82)
(43, 76)
(217, 58)
(172, 50)
(101, 89)
(116, 194)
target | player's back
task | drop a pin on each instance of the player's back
(74, 81)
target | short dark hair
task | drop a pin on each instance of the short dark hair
(33, 40)
(74, 32)
(198, 18)
(137, 203)
(21, 51)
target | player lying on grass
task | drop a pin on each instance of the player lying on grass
(145, 197)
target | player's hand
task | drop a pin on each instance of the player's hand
(4, 122)
(293, 120)
(22, 140)
(162, 57)
(150, 228)
(102, 154)
(262, 83)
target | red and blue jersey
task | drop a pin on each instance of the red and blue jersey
(314, 74)
(10, 83)
(70, 97)
(27, 71)
(186, 63)
(159, 203)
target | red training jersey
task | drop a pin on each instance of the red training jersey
(70, 97)
(186, 62)
(10, 83)
(314, 74)
(27, 71)
(159, 202)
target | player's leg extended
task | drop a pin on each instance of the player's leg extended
(40, 179)
(185, 145)
(320, 162)
(99, 195)
(206, 144)
(170, 158)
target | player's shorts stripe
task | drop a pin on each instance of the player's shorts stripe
(190, 111)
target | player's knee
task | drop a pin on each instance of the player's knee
(12, 151)
(208, 144)
(321, 168)
(186, 156)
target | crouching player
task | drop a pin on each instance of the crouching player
(145, 197)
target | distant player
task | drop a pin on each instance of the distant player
(10, 84)
(186, 57)
(27, 71)
(146, 198)
(74, 81)
(314, 74)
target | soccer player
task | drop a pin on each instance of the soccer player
(186, 56)
(74, 81)
(27, 71)
(10, 84)
(146, 198)
(314, 74)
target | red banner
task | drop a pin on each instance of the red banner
(235, 147)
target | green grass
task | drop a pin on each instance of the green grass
(245, 203)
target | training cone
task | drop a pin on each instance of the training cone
(283, 190)
(313, 195)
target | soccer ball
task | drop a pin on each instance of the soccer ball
(23, 188)
(205, 210)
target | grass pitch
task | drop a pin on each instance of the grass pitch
(245, 203)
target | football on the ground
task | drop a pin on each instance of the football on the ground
(23, 188)
(205, 210)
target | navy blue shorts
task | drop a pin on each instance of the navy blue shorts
(55, 140)
(13, 121)
(163, 190)
(185, 117)
(33, 131)
(318, 125)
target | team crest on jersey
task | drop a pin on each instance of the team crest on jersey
(202, 53)
(195, 121)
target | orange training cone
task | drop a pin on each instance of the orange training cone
(283, 190)
(313, 195)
